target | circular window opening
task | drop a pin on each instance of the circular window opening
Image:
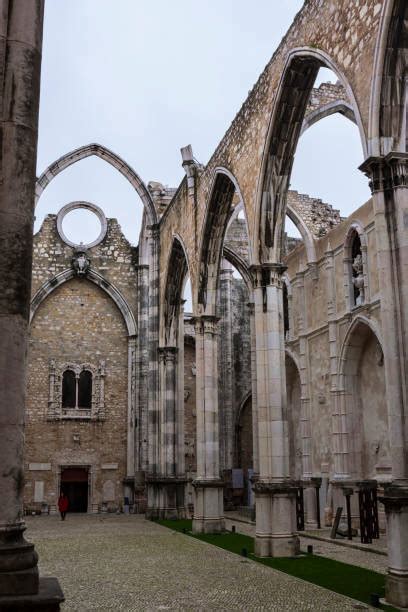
(81, 226)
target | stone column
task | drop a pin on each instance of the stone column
(20, 40)
(131, 421)
(180, 437)
(166, 479)
(275, 491)
(395, 501)
(389, 184)
(208, 503)
(307, 469)
(153, 501)
(255, 442)
(226, 390)
(141, 390)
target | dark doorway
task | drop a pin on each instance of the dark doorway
(74, 483)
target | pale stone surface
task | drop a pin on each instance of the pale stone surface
(127, 563)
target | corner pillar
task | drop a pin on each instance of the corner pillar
(389, 185)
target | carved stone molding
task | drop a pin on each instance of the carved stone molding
(167, 353)
(268, 274)
(80, 262)
(206, 324)
(56, 411)
(386, 173)
(201, 483)
(287, 487)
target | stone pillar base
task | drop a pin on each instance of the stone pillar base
(166, 498)
(396, 591)
(20, 585)
(18, 563)
(47, 599)
(395, 501)
(275, 534)
(208, 506)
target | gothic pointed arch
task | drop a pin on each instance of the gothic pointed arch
(388, 105)
(287, 117)
(50, 285)
(177, 272)
(109, 157)
(305, 232)
(240, 264)
(215, 226)
(358, 328)
(361, 388)
(355, 259)
(339, 106)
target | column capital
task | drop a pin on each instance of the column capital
(251, 308)
(395, 498)
(206, 324)
(167, 353)
(386, 173)
(267, 274)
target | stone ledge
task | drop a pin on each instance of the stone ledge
(48, 599)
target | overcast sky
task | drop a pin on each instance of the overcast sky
(146, 77)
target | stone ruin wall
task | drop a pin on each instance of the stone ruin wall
(79, 323)
(347, 34)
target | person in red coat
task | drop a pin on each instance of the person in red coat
(63, 505)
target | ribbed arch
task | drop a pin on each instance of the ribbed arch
(339, 106)
(177, 272)
(299, 75)
(109, 157)
(216, 221)
(388, 105)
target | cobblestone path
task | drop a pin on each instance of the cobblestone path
(127, 563)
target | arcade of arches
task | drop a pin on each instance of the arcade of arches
(291, 367)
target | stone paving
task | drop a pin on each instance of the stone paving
(362, 558)
(109, 562)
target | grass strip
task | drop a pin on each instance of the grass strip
(350, 580)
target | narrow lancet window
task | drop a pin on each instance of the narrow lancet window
(285, 298)
(357, 271)
(69, 389)
(85, 389)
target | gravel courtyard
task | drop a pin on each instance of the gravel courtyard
(109, 562)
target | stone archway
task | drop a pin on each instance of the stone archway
(110, 158)
(362, 387)
(289, 111)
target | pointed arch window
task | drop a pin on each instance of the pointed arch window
(69, 391)
(355, 267)
(357, 270)
(287, 308)
(85, 390)
(285, 297)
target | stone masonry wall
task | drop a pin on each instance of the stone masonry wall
(79, 323)
(347, 33)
